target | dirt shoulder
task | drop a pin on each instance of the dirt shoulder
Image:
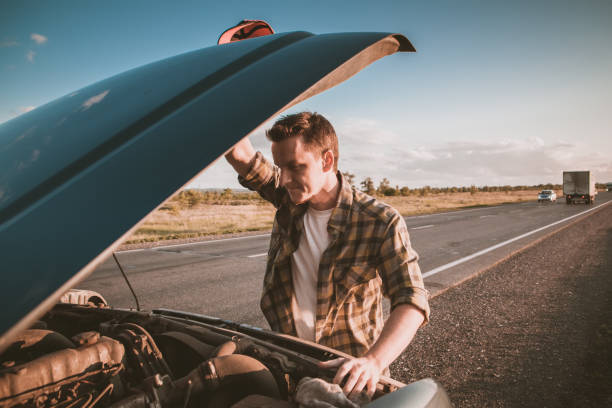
(534, 330)
(212, 237)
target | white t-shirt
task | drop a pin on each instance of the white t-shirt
(305, 269)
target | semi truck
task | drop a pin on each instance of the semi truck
(579, 186)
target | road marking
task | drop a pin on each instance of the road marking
(193, 243)
(257, 255)
(453, 212)
(423, 227)
(487, 216)
(501, 244)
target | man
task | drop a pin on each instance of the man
(333, 252)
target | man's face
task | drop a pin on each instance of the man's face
(302, 171)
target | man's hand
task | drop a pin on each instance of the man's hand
(399, 329)
(241, 156)
(359, 373)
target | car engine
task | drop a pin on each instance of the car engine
(87, 356)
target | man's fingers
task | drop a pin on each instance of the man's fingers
(332, 363)
(343, 371)
(372, 386)
(352, 380)
(361, 382)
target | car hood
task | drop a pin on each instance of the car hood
(79, 174)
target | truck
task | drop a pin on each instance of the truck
(579, 186)
(608, 186)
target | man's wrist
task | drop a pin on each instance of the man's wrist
(375, 361)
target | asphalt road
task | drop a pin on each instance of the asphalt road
(223, 278)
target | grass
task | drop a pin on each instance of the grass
(202, 220)
(190, 215)
(417, 205)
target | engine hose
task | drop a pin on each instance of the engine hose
(239, 346)
(236, 375)
(225, 349)
(138, 400)
(222, 381)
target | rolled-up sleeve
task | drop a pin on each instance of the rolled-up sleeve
(399, 269)
(263, 177)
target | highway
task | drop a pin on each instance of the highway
(223, 277)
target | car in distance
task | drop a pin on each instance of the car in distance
(547, 196)
(79, 174)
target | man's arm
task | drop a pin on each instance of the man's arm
(403, 284)
(255, 172)
(241, 156)
(364, 372)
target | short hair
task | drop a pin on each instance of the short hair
(316, 132)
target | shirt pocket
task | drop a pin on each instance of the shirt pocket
(355, 282)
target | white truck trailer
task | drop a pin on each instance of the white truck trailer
(579, 186)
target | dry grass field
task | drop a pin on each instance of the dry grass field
(186, 217)
(204, 220)
(415, 205)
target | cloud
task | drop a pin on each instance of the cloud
(8, 43)
(30, 56)
(94, 99)
(369, 150)
(38, 38)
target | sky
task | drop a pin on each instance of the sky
(497, 93)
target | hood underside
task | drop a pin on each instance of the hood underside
(79, 174)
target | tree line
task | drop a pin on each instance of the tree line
(385, 188)
(227, 196)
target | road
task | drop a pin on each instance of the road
(223, 278)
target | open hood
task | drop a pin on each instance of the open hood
(79, 174)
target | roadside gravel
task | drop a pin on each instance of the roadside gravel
(141, 245)
(532, 331)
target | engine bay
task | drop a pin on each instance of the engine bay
(86, 356)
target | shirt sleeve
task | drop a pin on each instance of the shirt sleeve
(264, 177)
(399, 269)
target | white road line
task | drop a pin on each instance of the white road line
(193, 243)
(501, 244)
(423, 227)
(453, 212)
(257, 255)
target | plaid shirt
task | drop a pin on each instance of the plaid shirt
(369, 255)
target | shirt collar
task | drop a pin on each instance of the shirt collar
(339, 217)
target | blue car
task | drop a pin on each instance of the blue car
(142, 135)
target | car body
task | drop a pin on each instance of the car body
(547, 196)
(141, 136)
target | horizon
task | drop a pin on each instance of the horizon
(392, 185)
